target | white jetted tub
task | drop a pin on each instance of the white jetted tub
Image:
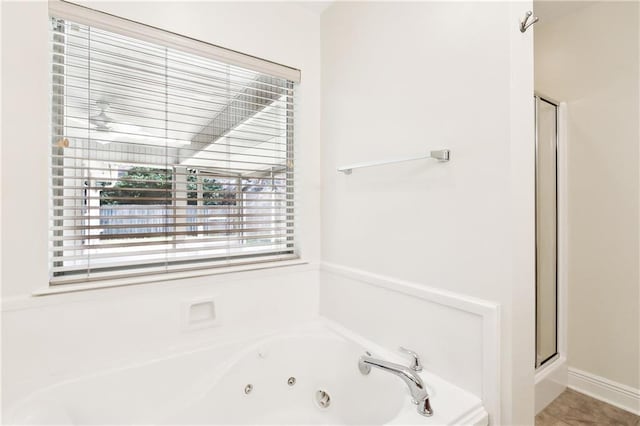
(308, 375)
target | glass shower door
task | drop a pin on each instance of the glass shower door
(546, 230)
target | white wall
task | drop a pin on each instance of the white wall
(399, 79)
(589, 59)
(48, 337)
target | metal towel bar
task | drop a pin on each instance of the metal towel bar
(440, 155)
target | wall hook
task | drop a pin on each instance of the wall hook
(524, 23)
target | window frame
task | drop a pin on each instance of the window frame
(104, 21)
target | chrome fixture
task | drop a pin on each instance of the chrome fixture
(323, 399)
(440, 155)
(524, 23)
(248, 389)
(409, 375)
(416, 365)
(291, 381)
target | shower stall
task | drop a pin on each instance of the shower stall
(546, 120)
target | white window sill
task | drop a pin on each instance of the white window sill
(155, 278)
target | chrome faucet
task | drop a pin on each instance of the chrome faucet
(409, 375)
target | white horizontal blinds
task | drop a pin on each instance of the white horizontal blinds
(164, 160)
(94, 18)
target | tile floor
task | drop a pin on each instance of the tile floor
(572, 408)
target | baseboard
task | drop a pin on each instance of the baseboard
(614, 393)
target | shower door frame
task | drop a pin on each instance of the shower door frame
(537, 99)
(552, 376)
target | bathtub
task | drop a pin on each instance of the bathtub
(305, 375)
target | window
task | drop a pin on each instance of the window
(165, 156)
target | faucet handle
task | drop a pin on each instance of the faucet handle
(416, 365)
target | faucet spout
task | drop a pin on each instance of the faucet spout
(419, 394)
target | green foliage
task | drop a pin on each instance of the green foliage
(212, 192)
(150, 186)
(141, 186)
